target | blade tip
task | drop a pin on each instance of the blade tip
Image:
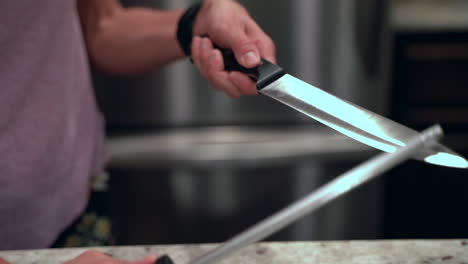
(447, 159)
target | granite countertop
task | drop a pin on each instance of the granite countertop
(430, 15)
(330, 252)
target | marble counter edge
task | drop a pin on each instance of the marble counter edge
(322, 252)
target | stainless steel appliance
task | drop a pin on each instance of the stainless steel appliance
(339, 45)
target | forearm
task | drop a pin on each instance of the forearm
(131, 40)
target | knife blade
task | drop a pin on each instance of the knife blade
(345, 117)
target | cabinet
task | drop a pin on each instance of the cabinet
(430, 85)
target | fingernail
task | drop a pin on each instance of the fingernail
(250, 58)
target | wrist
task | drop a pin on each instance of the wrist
(185, 27)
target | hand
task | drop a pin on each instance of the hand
(3, 261)
(96, 257)
(230, 26)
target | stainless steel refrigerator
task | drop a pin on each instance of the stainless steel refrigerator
(188, 164)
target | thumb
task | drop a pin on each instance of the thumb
(245, 49)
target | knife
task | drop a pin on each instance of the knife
(345, 117)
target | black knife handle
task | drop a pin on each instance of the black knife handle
(231, 64)
(263, 74)
(164, 259)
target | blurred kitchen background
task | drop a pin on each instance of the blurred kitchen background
(190, 165)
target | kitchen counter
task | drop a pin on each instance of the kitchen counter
(430, 15)
(330, 252)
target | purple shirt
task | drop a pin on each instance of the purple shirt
(51, 134)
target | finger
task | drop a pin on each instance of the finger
(222, 82)
(3, 261)
(195, 50)
(200, 59)
(206, 54)
(214, 67)
(211, 66)
(217, 76)
(243, 83)
(228, 87)
(267, 49)
(235, 85)
(89, 256)
(209, 62)
(199, 54)
(264, 43)
(244, 48)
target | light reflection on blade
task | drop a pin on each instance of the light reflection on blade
(331, 105)
(368, 141)
(446, 159)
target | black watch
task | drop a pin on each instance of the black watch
(185, 27)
